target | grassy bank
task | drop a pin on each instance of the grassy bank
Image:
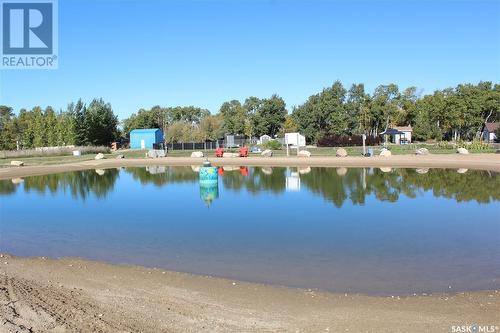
(319, 152)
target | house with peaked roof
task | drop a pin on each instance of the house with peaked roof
(489, 131)
(399, 134)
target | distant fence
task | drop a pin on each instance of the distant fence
(209, 145)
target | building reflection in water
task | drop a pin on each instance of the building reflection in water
(292, 180)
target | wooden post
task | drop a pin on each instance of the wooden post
(364, 147)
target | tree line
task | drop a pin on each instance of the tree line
(80, 124)
(457, 113)
(450, 114)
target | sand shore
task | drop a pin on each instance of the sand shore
(473, 161)
(58, 295)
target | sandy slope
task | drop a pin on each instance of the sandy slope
(472, 161)
(38, 294)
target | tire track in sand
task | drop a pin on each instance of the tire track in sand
(26, 306)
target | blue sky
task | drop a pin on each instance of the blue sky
(136, 54)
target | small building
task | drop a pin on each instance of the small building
(489, 134)
(399, 134)
(295, 140)
(145, 138)
(234, 141)
(264, 138)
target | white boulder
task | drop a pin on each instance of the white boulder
(99, 156)
(197, 154)
(341, 152)
(422, 151)
(230, 155)
(17, 163)
(462, 151)
(385, 153)
(120, 156)
(267, 153)
(304, 153)
(156, 153)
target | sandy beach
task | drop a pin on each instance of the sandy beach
(40, 294)
(473, 161)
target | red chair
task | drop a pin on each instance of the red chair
(219, 152)
(244, 152)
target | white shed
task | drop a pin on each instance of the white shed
(264, 138)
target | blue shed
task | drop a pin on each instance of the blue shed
(144, 138)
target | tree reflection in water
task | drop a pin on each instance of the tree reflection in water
(79, 183)
(337, 185)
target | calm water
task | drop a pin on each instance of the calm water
(369, 230)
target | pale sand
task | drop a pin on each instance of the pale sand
(473, 161)
(76, 295)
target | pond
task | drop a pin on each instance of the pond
(362, 230)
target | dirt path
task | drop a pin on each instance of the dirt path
(472, 161)
(43, 295)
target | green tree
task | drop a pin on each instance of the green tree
(51, 128)
(100, 123)
(269, 116)
(8, 128)
(289, 126)
(233, 115)
(323, 113)
(356, 106)
(180, 131)
(385, 107)
(143, 119)
(80, 126)
(39, 134)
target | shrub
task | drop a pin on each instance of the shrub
(347, 141)
(272, 144)
(53, 151)
(474, 145)
(446, 145)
